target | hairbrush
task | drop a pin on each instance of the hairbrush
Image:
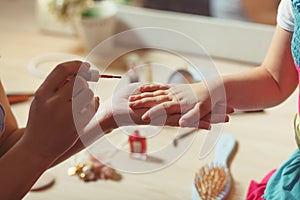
(213, 181)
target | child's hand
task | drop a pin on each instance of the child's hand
(62, 107)
(191, 101)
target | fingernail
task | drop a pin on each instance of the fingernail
(182, 123)
(145, 118)
(131, 98)
(209, 127)
(86, 65)
(142, 88)
(97, 103)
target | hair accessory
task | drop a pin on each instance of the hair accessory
(213, 181)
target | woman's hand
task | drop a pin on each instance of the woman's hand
(62, 107)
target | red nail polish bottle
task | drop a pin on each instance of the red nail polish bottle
(138, 145)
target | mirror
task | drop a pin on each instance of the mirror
(181, 76)
(256, 11)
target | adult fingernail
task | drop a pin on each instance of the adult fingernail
(97, 103)
(86, 65)
(98, 99)
(182, 123)
(227, 119)
(209, 127)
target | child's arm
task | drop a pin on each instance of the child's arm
(271, 83)
(261, 87)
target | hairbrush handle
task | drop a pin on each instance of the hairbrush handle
(224, 148)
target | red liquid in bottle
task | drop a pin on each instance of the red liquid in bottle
(138, 145)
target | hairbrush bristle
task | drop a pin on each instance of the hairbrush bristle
(211, 182)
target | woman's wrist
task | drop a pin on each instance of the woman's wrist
(25, 165)
(40, 159)
(33, 152)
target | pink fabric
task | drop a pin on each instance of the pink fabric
(256, 190)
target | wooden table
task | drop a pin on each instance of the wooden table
(264, 139)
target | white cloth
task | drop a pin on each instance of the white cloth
(285, 15)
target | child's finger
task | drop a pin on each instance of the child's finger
(153, 87)
(192, 116)
(201, 125)
(149, 102)
(163, 109)
(170, 120)
(216, 118)
(222, 108)
(147, 94)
